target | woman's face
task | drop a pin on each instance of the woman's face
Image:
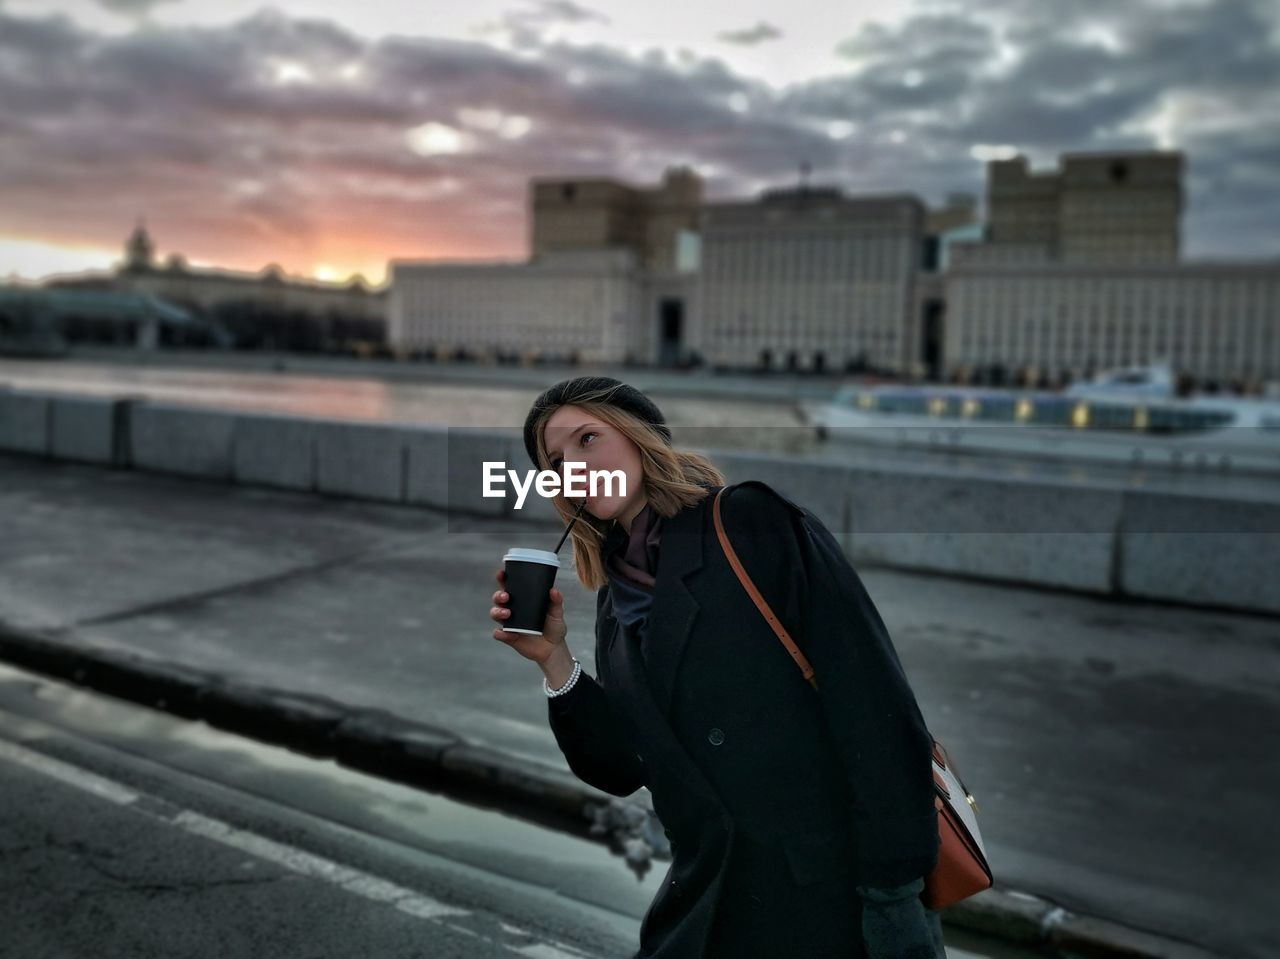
(575, 435)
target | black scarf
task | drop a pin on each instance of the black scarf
(630, 562)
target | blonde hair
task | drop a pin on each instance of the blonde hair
(671, 479)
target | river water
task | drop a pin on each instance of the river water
(746, 423)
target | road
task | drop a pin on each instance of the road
(1113, 745)
(128, 832)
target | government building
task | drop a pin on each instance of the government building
(1067, 272)
(808, 278)
(1081, 270)
(609, 280)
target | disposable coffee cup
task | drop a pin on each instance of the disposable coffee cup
(530, 574)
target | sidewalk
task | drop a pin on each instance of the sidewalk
(1105, 741)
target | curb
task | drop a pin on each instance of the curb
(381, 743)
(365, 739)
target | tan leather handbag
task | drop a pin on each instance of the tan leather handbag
(962, 869)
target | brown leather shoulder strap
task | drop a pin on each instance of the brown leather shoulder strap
(940, 758)
(757, 598)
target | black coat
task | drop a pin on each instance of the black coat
(778, 799)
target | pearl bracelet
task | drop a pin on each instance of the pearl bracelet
(573, 678)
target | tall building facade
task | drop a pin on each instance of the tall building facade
(575, 302)
(1080, 269)
(1114, 208)
(599, 213)
(609, 279)
(1074, 270)
(1215, 321)
(809, 279)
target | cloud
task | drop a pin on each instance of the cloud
(1082, 75)
(568, 11)
(751, 36)
(282, 138)
(528, 26)
(132, 7)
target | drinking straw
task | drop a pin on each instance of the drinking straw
(570, 526)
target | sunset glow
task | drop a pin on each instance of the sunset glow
(250, 136)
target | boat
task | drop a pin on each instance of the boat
(1129, 414)
(1152, 379)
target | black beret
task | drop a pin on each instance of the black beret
(568, 392)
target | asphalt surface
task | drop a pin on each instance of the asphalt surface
(165, 838)
(1113, 746)
(131, 832)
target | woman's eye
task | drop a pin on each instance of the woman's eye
(555, 465)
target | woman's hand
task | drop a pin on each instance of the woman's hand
(896, 925)
(539, 649)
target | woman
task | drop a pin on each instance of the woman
(801, 822)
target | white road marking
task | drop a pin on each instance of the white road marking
(72, 775)
(542, 951)
(572, 951)
(351, 880)
(463, 929)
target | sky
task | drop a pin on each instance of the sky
(329, 136)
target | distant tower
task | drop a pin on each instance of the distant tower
(1116, 207)
(139, 251)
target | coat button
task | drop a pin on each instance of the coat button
(715, 737)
